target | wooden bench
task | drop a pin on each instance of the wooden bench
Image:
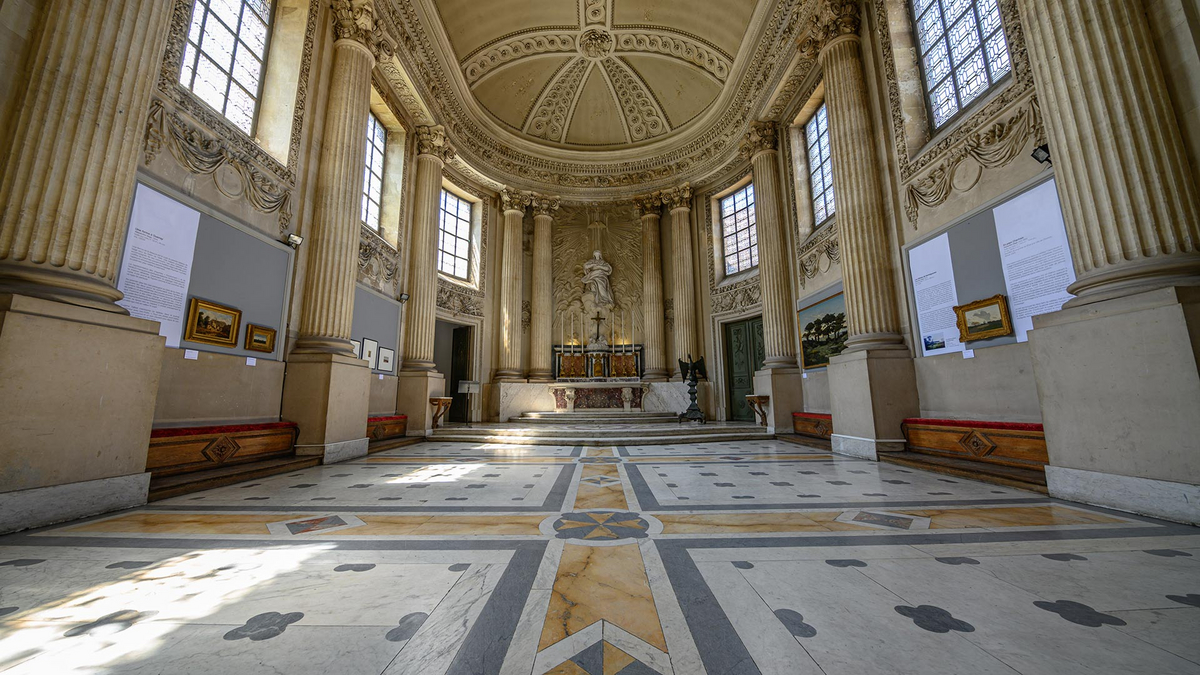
(385, 427)
(1006, 453)
(816, 425)
(187, 459)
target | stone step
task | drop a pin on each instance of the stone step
(604, 431)
(567, 418)
(596, 414)
(632, 440)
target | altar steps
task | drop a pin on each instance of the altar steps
(602, 433)
(596, 417)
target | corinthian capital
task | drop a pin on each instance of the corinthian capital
(762, 136)
(833, 18)
(514, 200)
(647, 204)
(355, 20)
(432, 141)
(544, 205)
(677, 198)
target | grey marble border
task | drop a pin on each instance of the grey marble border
(553, 503)
(650, 503)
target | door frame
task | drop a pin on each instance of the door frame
(719, 368)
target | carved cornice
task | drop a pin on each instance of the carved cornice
(737, 297)
(834, 19)
(514, 200)
(544, 205)
(355, 20)
(762, 137)
(650, 204)
(705, 148)
(677, 198)
(432, 141)
(455, 300)
(234, 175)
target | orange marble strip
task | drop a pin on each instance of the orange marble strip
(459, 460)
(187, 523)
(824, 521)
(1014, 516)
(720, 523)
(712, 459)
(443, 525)
(599, 452)
(611, 496)
(602, 583)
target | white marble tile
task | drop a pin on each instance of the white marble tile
(1174, 629)
(522, 651)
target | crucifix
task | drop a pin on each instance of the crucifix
(598, 319)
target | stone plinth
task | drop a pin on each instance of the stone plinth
(328, 396)
(413, 392)
(785, 387)
(872, 392)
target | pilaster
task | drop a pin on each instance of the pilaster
(541, 324)
(514, 203)
(678, 202)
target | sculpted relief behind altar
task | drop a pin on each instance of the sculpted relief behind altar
(597, 268)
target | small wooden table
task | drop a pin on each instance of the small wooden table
(759, 405)
(441, 405)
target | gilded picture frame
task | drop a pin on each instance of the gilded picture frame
(983, 319)
(211, 323)
(259, 338)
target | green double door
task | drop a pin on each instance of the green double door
(744, 354)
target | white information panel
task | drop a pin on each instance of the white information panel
(936, 296)
(1034, 255)
(157, 265)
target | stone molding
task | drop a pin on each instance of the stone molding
(378, 262)
(355, 20)
(431, 140)
(677, 198)
(822, 244)
(235, 175)
(761, 137)
(452, 299)
(738, 297)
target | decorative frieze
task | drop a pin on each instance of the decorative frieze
(233, 174)
(740, 296)
(453, 299)
(821, 252)
(485, 61)
(378, 263)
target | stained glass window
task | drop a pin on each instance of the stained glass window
(963, 52)
(738, 228)
(223, 59)
(820, 166)
(373, 172)
(454, 235)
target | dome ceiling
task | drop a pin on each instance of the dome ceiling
(595, 73)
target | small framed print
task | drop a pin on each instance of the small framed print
(260, 338)
(370, 349)
(357, 348)
(212, 324)
(386, 357)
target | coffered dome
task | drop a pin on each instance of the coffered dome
(595, 74)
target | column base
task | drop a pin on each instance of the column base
(77, 395)
(328, 396)
(786, 389)
(521, 397)
(1119, 382)
(1169, 500)
(38, 507)
(412, 398)
(655, 375)
(47, 283)
(871, 393)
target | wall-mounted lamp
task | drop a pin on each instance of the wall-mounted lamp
(1042, 153)
(403, 298)
(294, 240)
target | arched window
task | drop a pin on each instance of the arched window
(372, 195)
(223, 60)
(963, 52)
(820, 166)
(454, 235)
(739, 231)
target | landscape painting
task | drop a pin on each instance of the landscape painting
(982, 319)
(823, 331)
(212, 324)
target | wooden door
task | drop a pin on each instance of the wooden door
(744, 354)
(460, 369)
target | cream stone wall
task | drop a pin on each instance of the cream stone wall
(217, 389)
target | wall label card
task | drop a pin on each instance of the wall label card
(191, 354)
(936, 296)
(156, 267)
(1034, 254)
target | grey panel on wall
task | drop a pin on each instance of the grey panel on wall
(376, 318)
(978, 274)
(818, 296)
(240, 270)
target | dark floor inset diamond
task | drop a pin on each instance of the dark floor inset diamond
(315, 524)
(302, 485)
(849, 562)
(1168, 553)
(898, 522)
(743, 564)
(758, 473)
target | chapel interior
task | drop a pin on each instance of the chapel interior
(599, 337)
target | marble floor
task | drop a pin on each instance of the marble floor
(719, 558)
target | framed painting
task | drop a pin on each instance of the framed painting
(260, 338)
(357, 348)
(370, 352)
(983, 319)
(386, 357)
(823, 331)
(212, 324)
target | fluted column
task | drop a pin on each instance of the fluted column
(333, 239)
(870, 291)
(1128, 196)
(513, 202)
(679, 202)
(649, 209)
(542, 306)
(779, 326)
(421, 311)
(69, 171)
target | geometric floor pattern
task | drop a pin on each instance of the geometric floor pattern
(719, 558)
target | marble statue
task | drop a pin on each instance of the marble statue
(595, 278)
